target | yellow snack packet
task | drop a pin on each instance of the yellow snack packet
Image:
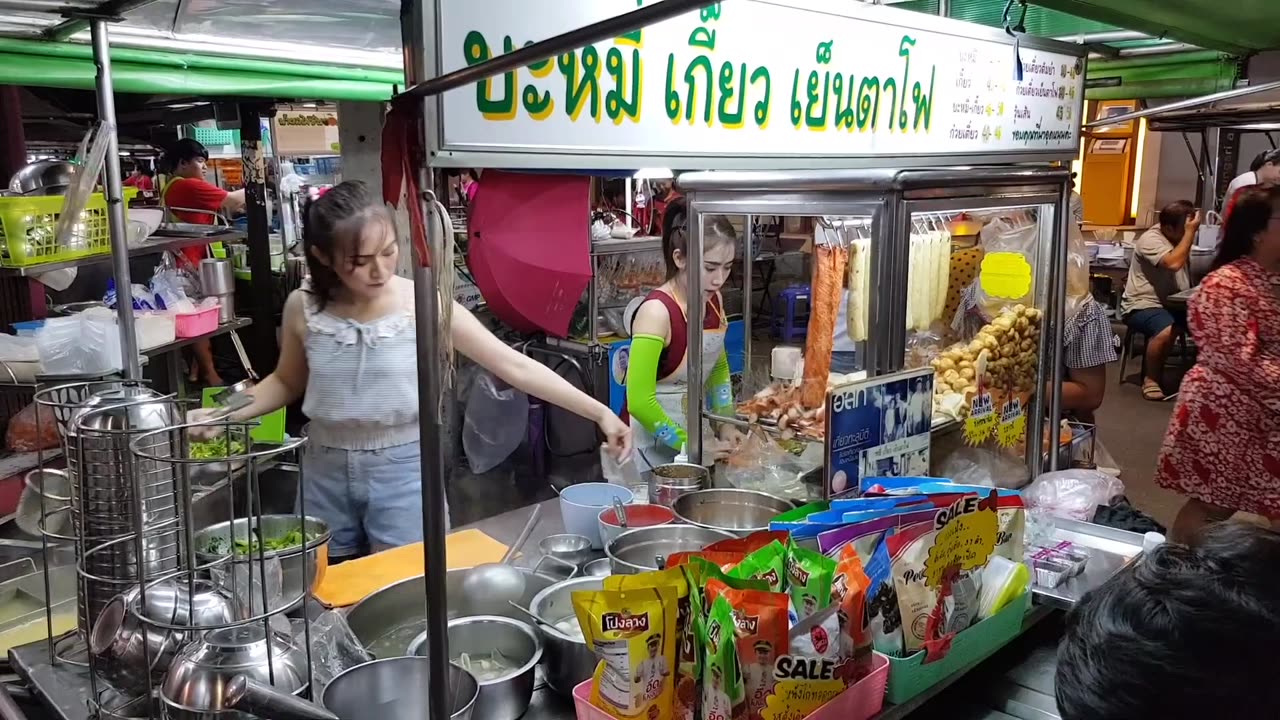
(634, 636)
(687, 652)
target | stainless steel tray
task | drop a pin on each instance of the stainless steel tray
(1110, 550)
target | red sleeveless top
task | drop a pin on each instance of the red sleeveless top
(673, 354)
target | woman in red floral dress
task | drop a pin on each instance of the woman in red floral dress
(1222, 449)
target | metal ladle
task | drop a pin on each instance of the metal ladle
(621, 512)
(496, 584)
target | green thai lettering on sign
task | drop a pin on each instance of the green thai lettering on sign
(705, 89)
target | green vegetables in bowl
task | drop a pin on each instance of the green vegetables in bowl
(274, 543)
(216, 448)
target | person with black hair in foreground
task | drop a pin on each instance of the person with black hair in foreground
(1185, 633)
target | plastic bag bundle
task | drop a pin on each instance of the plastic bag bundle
(495, 424)
(1074, 494)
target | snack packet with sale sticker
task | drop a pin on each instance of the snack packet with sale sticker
(767, 564)
(687, 654)
(761, 627)
(633, 635)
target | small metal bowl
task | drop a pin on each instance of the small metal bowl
(575, 549)
(597, 568)
(507, 696)
(193, 687)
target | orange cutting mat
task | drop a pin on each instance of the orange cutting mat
(348, 583)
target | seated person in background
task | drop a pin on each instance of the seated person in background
(1159, 269)
(1182, 634)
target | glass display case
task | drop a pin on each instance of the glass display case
(951, 270)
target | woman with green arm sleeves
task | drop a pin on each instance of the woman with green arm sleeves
(657, 379)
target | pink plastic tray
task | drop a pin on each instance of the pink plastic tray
(197, 323)
(860, 702)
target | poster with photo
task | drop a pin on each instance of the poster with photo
(878, 428)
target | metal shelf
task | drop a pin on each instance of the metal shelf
(237, 324)
(621, 246)
(153, 244)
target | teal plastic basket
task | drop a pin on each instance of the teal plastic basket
(215, 137)
(910, 676)
(270, 429)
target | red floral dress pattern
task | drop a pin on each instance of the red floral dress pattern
(1223, 443)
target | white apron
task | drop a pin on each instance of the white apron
(671, 393)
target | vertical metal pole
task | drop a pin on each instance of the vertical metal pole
(417, 25)
(944, 8)
(1045, 281)
(748, 263)
(253, 155)
(1062, 225)
(115, 202)
(695, 307)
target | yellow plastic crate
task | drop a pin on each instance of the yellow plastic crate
(27, 226)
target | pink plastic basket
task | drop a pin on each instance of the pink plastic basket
(863, 701)
(197, 323)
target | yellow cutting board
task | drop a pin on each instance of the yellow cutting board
(348, 583)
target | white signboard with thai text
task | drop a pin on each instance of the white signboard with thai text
(754, 78)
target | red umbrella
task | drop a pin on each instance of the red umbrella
(530, 247)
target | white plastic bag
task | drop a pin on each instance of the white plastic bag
(1074, 494)
(83, 344)
(1210, 232)
(496, 422)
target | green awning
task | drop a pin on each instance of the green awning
(69, 65)
(1161, 76)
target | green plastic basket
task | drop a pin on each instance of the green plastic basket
(215, 137)
(910, 676)
(28, 224)
(270, 429)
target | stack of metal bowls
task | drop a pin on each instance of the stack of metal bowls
(134, 654)
(106, 481)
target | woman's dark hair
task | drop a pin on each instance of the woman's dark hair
(1263, 158)
(1248, 216)
(675, 233)
(1184, 633)
(331, 232)
(180, 152)
(473, 174)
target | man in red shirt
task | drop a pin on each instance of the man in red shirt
(191, 199)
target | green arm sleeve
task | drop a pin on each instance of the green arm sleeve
(720, 387)
(642, 392)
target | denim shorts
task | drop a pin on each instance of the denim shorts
(1153, 321)
(371, 499)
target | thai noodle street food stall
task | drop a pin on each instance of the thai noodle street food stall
(888, 142)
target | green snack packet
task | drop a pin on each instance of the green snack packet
(767, 564)
(809, 578)
(723, 688)
(700, 570)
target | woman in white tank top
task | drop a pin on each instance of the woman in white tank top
(349, 350)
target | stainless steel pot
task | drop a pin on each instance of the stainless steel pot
(507, 696)
(566, 659)
(672, 480)
(639, 550)
(736, 511)
(387, 621)
(391, 689)
(43, 177)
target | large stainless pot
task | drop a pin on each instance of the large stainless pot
(387, 620)
(736, 511)
(295, 565)
(43, 177)
(566, 659)
(391, 689)
(640, 550)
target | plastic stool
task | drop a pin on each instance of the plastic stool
(791, 320)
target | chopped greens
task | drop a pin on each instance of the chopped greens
(219, 447)
(285, 541)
